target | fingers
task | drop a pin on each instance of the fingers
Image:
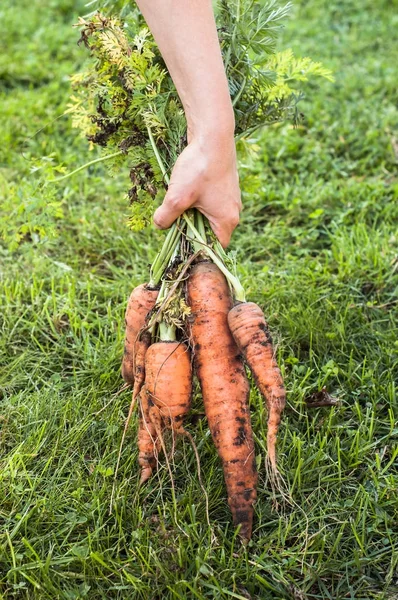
(211, 187)
(225, 229)
(174, 204)
(223, 236)
(172, 208)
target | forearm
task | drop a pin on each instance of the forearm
(186, 34)
(205, 174)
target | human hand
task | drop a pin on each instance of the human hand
(205, 176)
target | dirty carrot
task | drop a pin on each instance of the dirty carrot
(141, 302)
(168, 381)
(143, 345)
(148, 439)
(250, 330)
(166, 397)
(225, 388)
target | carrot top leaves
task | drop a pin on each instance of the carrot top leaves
(126, 101)
(125, 91)
(125, 94)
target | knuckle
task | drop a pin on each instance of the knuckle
(175, 202)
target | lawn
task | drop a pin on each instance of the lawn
(318, 249)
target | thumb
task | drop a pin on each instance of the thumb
(172, 207)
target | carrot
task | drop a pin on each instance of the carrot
(148, 440)
(142, 346)
(141, 302)
(225, 389)
(168, 381)
(250, 330)
(165, 398)
(139, 379)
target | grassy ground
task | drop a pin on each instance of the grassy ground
(317, 248)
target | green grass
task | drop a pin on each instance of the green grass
(317, 248)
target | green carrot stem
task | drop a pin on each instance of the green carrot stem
(250, 131)
(162, 293)
(92, 162)
(197, 247)
(160, 263)
(162, 267)
(240, 92)
(174, 235)
(157, 155)
(219, 249)
(167, 333)
(153, 322)
(233, 281)
(200, 223)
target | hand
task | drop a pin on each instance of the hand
(205, 176)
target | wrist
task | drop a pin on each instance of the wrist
(218, 127)
(214, 139)
(215, 151)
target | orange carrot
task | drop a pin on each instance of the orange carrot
(250, 330)
(142, 346)
(141, 302)
(165, 398)
(168, 381)
(143, 432)
(225, 389)
(148, 440)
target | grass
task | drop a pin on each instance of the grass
(317, 248)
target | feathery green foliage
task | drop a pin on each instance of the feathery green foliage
(28, 213)
(127, 90)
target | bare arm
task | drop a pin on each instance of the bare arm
(205, 175)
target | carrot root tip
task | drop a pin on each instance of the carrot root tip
(146, 473)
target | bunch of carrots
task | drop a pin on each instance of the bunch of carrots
(196, 314)
(191, 317)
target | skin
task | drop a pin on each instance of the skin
(205, 175)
